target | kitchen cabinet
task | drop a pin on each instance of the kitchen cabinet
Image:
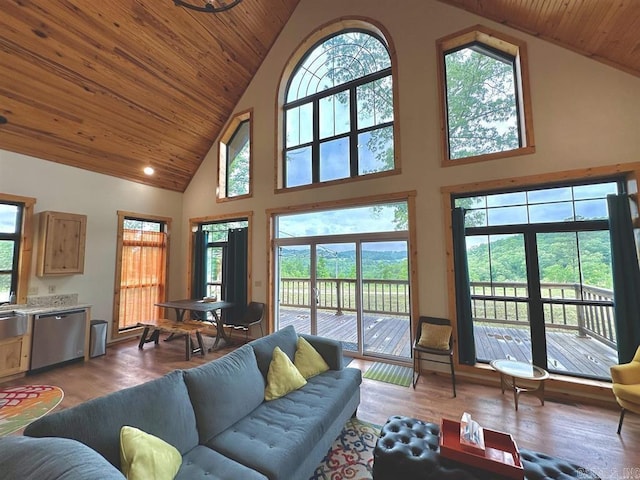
(15, 351)
(14, 355)
(61, 243)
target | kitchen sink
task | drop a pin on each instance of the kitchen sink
(12, 324)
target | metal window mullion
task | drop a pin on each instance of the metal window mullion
(315, 146)
(284, 144)
(353, 131)
(227, 168)
(536, 305)
(339, 88)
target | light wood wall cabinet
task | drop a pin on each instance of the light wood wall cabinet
(61, 243)
(15, 353)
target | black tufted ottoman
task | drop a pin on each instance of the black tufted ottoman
(409, 449)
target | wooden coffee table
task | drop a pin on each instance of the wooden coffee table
(512, 371)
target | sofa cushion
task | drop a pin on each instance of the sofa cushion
(283, 376)
(286, 339)
(328, 348)
(145, 457)
(202, 463)
(308, 361)
(27, 458)
(224, 390)
(160, 407)
(278, 434)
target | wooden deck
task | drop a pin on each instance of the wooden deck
(387, 335)
(566, 351)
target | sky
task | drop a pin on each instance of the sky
(338, 222)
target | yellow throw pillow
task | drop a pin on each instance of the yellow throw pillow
(435, 336)
(283, 376)
(308, 361)
(145, 457)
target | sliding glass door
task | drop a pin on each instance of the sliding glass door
(385, 298)
(350, 284)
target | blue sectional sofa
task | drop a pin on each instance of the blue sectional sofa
(214, 414)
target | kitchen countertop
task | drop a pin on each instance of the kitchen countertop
(24, 309)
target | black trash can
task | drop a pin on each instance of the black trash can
(98, 338)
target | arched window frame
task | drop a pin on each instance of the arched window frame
(323, 33)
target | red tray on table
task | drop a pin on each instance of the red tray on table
(501, 455)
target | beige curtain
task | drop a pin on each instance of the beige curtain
(142, 281)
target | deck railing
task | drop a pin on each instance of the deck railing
(586, 309)
(378, 296)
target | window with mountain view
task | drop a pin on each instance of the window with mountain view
(485, 101)
(338, 114)
(541, 283)
(342, 272)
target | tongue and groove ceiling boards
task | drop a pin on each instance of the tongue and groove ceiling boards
(114, 86)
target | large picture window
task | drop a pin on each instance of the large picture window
(338, 111)
(540, 276)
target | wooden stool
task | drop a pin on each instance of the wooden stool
(185, 328)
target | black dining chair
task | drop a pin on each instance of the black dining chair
(439, 345)
(253, 315)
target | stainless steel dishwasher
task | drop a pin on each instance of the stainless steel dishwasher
(58, 337)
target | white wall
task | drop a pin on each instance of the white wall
(585, 114)
(67, 189)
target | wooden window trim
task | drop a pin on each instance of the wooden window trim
(576, 387)
(505, 43)
(193, 226)
(122, 215)
(26, 243)
(225, 138)
(333, 27)
(408, 196)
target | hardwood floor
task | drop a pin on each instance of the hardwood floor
(581, 433)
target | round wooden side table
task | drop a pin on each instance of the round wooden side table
(512, 370)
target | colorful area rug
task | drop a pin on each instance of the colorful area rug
(351, 455)
(21, 405)
(385, 372)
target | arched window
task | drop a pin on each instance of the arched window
(338, 111)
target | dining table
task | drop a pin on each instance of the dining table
(181, 307)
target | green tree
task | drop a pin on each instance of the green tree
(481, 103)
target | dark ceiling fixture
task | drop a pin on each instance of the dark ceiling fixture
(210, 6)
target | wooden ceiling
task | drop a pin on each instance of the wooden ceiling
(114, 86)
(605, 30)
